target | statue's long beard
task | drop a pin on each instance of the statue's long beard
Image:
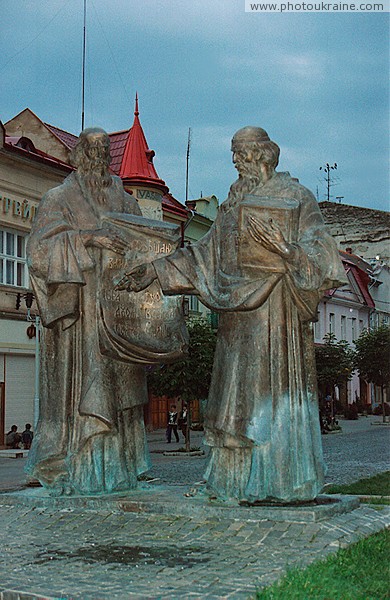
(96, 178)
(244, 185)
(249, 178)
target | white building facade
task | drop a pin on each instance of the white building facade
(345, 313)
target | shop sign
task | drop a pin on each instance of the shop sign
(23, 209)
(148, 195)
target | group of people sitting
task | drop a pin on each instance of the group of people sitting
(15, 440)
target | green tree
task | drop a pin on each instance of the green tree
(189, 378)
(372, 358)
(334, 362)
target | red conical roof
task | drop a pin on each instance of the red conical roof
(137, 163)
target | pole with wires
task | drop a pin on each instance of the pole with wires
(188, 160)
(83, 76)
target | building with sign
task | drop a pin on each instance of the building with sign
(26, 173)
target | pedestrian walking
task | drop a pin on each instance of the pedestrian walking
(172, 424)
(183, 420)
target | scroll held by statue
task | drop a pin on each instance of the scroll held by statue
(147, 327)
(282, 212)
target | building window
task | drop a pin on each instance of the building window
(353, 326)
(331, 323)
(317, 327)
(194, 304)
(374, 320)
(361, 326)
(213, 319)
(343, 326)
(13, 267)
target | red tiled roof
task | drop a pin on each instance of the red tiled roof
(131, 159)
(362, 280)
(172, 205)
(117, 148)
(36, 154)
(64, 136)
(360, 276)
(354, 259)
(117, 144)
(137, 162)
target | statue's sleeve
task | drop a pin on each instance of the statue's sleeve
(317, 265)
(57, 259)
(130, 205)
(191, 270)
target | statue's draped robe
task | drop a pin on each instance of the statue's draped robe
(90, 436)
(262, 419)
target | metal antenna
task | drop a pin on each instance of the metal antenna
(188, 160)
(83, 81)
(327, 168)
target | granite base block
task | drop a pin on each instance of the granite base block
(171, 500)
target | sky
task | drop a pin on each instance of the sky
(318, 84)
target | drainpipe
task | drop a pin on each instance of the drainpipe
(185, 225)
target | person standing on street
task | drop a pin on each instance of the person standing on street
(172, 424)
(27, 437)
(183, 420)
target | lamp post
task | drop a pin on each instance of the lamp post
(33, 331)
(37, 323)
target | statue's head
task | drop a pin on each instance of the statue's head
(253, 151)
(92, 149)
(91, 157)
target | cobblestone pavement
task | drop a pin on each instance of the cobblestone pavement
(352, 456)
(361, 450)
(111, 555)
(101, 554)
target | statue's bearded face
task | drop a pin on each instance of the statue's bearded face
(246, 161)
(97, 152)
(92, 159)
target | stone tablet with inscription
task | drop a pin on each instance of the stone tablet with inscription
(284, 212)
(145, 327)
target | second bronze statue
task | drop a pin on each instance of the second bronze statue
(264, 266)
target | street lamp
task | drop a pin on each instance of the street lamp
(32, 331)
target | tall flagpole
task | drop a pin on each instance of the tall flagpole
(188, 160)
(83, 81)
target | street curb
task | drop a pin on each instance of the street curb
(184, 454)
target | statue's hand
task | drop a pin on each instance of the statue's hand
(270, 237)
(105, 238)
(138, 279)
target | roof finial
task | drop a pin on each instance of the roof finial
(136, 112)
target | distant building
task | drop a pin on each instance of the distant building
(345, 312)
(365, 230)
(203, 213)
(26, 172)
(364, 233)
(131, 159)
